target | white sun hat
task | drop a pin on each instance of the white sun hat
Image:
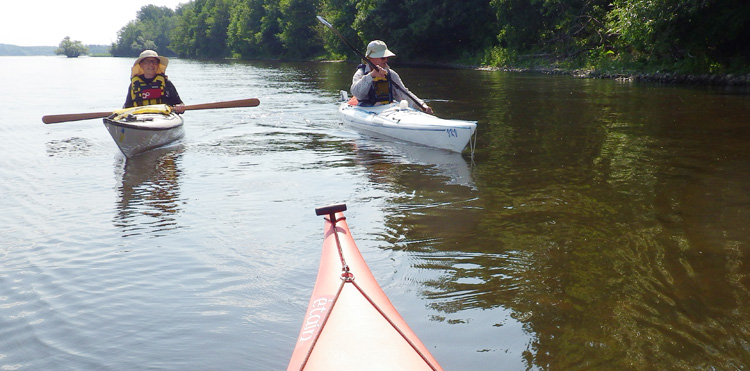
(137, 70)
(378, 49)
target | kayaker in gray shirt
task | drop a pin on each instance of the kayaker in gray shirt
(373, 87)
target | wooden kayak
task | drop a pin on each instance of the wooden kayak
(140, 129)
(350, 323)
(400, 121)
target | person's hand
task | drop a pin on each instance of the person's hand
(427, 109)
(378, 72)
(179, 108)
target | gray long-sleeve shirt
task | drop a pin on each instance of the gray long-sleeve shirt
(362, 82)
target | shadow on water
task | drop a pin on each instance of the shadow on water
(149, 192)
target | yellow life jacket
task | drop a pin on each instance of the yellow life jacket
(147, 93)
(381, 90)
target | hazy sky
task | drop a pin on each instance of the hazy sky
(47, 22)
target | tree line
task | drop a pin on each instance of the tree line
(688, 36)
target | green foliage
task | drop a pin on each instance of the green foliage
(559, 29)
(341, 14)
(201, 29)
(446, 29)
(298, 28)
(245, 22)
(183, 35)
(498, 56)
(72, 49)
(667, 35)
(683, 35)
(150, 30)
(382, 20)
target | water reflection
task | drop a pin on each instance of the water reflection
(383, 156)
(612, 221)
(149, 192)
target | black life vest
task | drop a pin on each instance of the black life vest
(380, 92)
(146, 93)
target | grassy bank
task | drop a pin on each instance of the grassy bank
(622, 67)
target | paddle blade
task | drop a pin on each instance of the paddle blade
(252, 102)
(323, 21)
(53, 119)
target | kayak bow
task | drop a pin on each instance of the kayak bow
(139, 129)
(350, 323)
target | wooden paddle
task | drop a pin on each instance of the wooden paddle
(52, 119)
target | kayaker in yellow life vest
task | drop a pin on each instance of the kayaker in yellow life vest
(373, 87)
(149, 84)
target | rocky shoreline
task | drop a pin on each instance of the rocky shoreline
(669, 78)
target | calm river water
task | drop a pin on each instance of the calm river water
(600, 225)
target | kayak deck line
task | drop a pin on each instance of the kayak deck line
(349, 296)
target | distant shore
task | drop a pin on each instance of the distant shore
(8, 50)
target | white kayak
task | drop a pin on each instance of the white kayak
(140, 129)
(400, 121)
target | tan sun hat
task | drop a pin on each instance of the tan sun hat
(378, 49)
(137, 70)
